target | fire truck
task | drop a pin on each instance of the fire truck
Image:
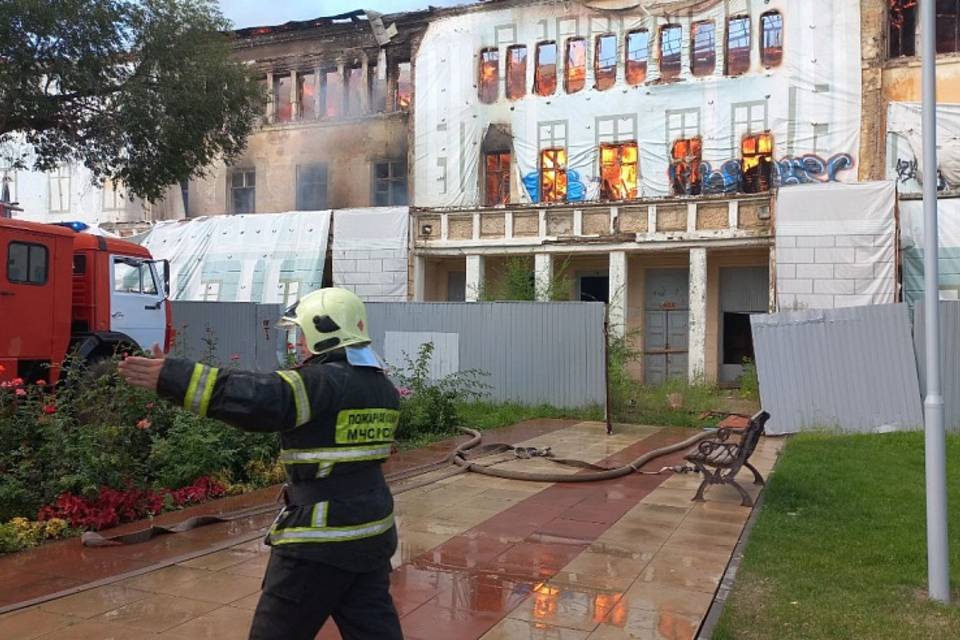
(63, 290)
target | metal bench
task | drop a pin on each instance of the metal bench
(719, 460)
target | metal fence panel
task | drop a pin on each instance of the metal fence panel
(534, 353)
(850, 369)
(239, 334)
(949, 359)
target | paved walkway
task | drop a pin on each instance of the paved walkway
(479, 557)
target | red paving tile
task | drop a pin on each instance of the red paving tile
(66, 564)
(542, 533)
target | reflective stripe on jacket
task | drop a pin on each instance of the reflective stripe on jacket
(334, 420)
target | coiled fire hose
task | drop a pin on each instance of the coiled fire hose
(464, 458)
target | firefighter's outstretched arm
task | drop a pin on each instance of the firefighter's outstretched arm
(251, 401)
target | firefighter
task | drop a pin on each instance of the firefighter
(336, 415)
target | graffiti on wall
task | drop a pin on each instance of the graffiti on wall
(728, 177)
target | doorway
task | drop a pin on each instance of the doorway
(666, 317)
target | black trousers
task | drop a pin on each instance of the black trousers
(299, 595)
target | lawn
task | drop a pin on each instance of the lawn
(839, 548)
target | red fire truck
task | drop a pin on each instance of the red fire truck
(62, 289)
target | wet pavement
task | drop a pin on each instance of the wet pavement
(479, 557)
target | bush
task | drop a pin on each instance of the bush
(430, 406)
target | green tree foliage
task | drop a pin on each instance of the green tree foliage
(143, 92)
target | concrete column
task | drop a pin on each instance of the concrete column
(294, 96)
(342, 73)
(271, 104)
(475, 275)
(317, 89)
(419, 278)
(543, 269)
(697, 321)
(617, 308)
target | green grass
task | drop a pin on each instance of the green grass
(490, 415)
(651, 405)
(839, 548)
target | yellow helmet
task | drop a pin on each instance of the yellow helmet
(330, 319)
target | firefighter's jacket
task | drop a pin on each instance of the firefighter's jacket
(336, 425)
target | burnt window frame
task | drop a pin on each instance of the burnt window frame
(278, 79)
(677, 69)
(627, 61)
(503, 183)
(538, 74)
(567, 66)
(400, 71)
(712, 64)
(619, 146)
(325, 96)
(765, 169)
(556, 170)
(942, 19)
(771, 56)
(610, 72)
(495, 65)
(508, 67)
(395, 176)
(30, 247)
(233, 189)
(903, 39)
(696, 168)
(315, 86)
(727, 49)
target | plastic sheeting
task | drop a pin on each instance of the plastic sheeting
(811, 103)
(370, 252)
(836, 245)
(911, 240)
(904, 144)
(269, 258)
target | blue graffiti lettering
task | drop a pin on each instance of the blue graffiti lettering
(576, 190)
(809, 168)
(726, 180)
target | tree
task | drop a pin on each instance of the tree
(142, 92)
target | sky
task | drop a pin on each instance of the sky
(253, 13)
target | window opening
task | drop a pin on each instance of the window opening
(738, 45)
(354, 91)
(332, 94)
(404, 86)
(307, 95)
(516, 72)
(903, 28)
(575, 70)
(703, 60)
(757, 162)
(553, 175)
(26, 263)
(618, 171)
(489, 75)
(497, 164)
(637, 54)
(771, 30)
(282, 107)
(389, 183)
(60, 189)
(948, 26)
(685, 158)
(670, 45)
(605, 62)
(545, 76)
(243, 186)
(311, 187)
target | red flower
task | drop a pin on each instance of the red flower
(144, 424)
(17, 382)
(49, 409)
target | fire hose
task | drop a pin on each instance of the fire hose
(463, 458)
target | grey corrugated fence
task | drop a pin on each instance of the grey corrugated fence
(851, 369)
(534, 353)
(949, 359)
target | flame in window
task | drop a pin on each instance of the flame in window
(553, 175)
(618, 171)
(489, 75)
(757, 162)
(685, 169)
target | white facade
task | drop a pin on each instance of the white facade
(810, 102)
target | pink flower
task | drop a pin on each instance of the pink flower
(21, 392)
(405, 392)
(41, 383)
(144, 424)
(149, 405)
(235, 357)
(17, 382)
